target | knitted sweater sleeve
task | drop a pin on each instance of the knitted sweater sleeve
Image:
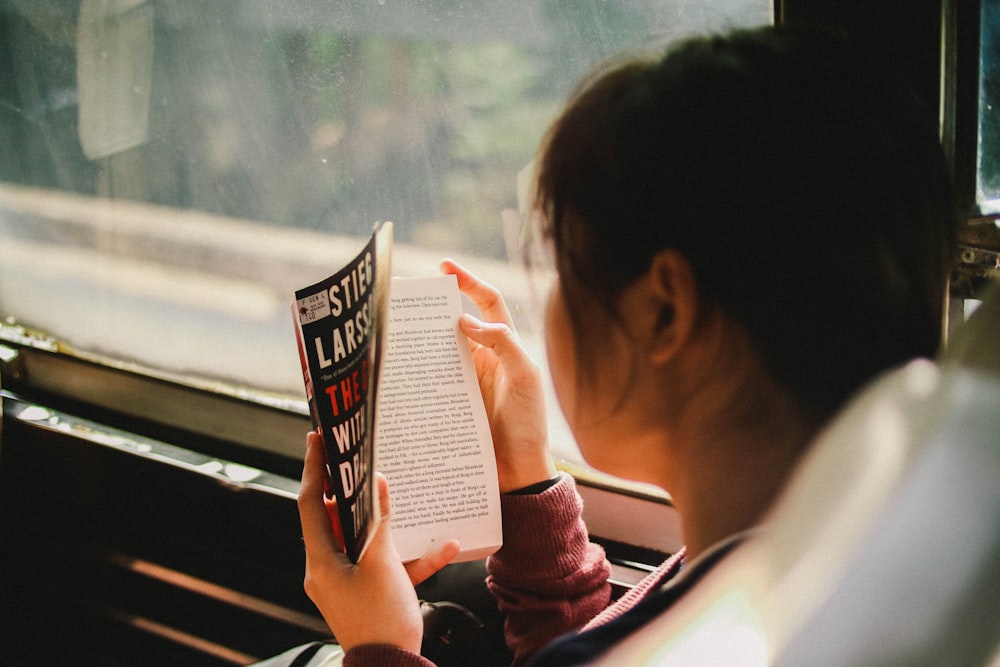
(383, 655)
(548, 577)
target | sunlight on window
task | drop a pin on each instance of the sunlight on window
(171, 171)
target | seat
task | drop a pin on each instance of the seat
(885, 547)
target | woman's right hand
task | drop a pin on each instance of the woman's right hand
(510, 383)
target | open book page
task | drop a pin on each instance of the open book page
(432, 433)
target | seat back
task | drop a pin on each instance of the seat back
(885, 547)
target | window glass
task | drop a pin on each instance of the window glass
(988, 181)
(171, 170)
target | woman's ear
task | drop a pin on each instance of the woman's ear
(674, 292)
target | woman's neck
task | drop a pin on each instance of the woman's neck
(730, 487)
(733, 450)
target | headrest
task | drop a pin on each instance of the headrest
(884, 548)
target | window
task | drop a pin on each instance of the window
(971, 137)
(171, 170)
(988, 153)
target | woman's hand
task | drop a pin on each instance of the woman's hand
(510, 383)
(373, 601)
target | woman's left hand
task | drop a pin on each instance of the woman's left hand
(372, 601)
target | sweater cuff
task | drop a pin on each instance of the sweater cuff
(544, 527)
(383, 655)
(538, 487)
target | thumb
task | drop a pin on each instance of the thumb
(382, 539)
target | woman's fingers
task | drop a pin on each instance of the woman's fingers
(428, 564)
(501, 340)
(487, 298)
(320, 524)
(383, 536)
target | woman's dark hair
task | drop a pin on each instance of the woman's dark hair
(804, 184)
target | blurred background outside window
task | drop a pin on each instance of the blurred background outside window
(171, 170)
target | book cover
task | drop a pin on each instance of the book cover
(392, 386)
(340, 326)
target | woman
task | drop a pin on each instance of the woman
(745, 231)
